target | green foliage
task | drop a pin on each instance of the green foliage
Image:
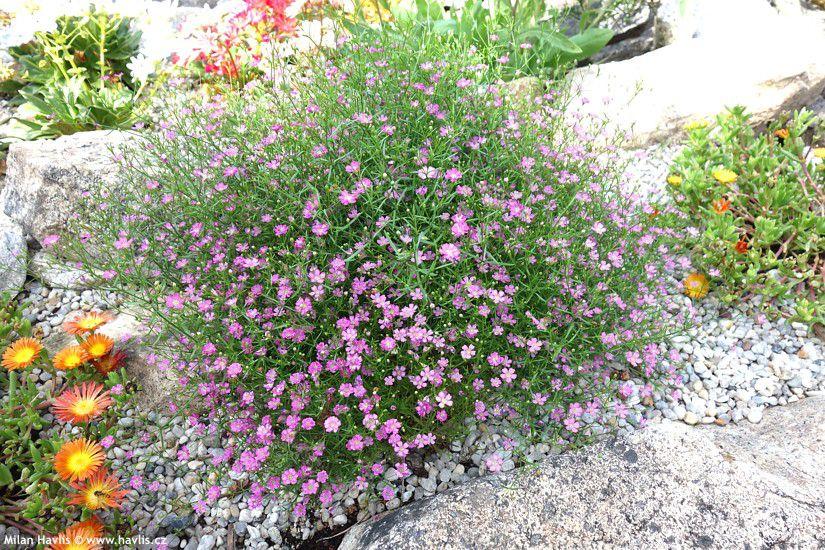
(25, 458)
(526, 36)
(75, 77)
(776, 212)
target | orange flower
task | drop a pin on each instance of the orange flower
(98, 345)
(102, 490)
(21, 354)
(696, 285)
(741, 246)
(78, 459)
(80, 536)
(720, 206)
(110, 362)
(81, 403)
(70, 358)
(87, 322)
(782, 134)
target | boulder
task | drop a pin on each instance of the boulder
(668, 486)
(46, 178)
(651, 97)
(55, 273)
(12, 256)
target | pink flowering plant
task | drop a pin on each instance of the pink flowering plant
(355, 261)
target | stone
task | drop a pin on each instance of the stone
(652, 97)
(54, 273)
(13, 254)
(46, 179)
(207, 542)
(755, 485)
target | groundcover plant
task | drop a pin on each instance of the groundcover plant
(352, 262)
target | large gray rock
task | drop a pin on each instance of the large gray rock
(669, 486)
(651, 97)
(46, 178)
(55, 273)
(12, 256)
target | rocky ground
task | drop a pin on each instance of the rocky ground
(737, 363)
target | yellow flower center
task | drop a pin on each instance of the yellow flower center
(89, 323)
(23, 355)
(97, 349)
(93, 500)
(73, 360)
(79, 462)
(82, 407)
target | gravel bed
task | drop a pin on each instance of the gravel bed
(736, 362)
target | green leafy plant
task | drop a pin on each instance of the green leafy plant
(760, 207)
(24, 457)
(526, 36)
(76, 77)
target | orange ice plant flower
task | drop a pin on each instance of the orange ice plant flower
(741, 246)
(98, 345)
(720, 206)
(85, 535)
(21, 353)
(696, 285)
(70, 358)
(87, 322)
(78, 459)
(81, 403)
(102, 490)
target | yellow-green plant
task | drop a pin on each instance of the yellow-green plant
(76, 77)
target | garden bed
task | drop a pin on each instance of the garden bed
(199, 477)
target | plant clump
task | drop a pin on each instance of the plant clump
(757, 199)
(355, 260)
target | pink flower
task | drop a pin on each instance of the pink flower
(468, 351)
(449, 252)
(50, 240)
(494, 462)
(320, 229)
(452, 174)
(332, 424)
(174, 301)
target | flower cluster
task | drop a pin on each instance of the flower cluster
(234, 46)
(356, 262)
(80, 461)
